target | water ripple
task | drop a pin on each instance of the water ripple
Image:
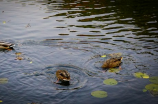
(77, 75)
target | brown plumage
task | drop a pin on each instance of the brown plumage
(5, 45)
(62, 75)
(112, 62)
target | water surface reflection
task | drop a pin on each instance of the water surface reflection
(73, 35)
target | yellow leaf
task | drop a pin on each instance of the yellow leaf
(18, 53)
(145, 76)
(141, 75)
(4, 22)
(1, 101)
(103, 56)
(19, 58)
(30, 62)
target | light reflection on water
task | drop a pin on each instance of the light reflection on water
(73, 35)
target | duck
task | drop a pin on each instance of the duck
(62, 75)
(5, 45)
(112, 62)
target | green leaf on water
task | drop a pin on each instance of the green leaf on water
(145, 90)
(141, 75)
(152, 88)
(103, 56)
(3, 80)
(99, 94)
(154, 79)
(113, 70)
(110, 81)
(1, 101)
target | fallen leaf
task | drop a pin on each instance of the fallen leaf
(3, 80)
(18, 53)
(103, 56)
(19, 58)
(4, 22)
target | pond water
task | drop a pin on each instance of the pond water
(72, 35)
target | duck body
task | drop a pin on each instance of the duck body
(5, 45)
(112, 62)
(63, 75)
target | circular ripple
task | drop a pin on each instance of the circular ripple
(77, 76)
(93, 66)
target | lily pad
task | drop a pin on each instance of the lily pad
(152, 88)
(141, 75)
(3, 80)
(99, 94)
(113, 70)
(110, 81)
(145, 90)
(154, 79)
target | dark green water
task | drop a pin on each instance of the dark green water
(71, 35)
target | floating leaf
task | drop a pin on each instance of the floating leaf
(116, 54)
(141, 75)
(152, 88)
(19, 58)
(4, 22)
(145, 76)
(1, 101)
(103, 56)
(154, 79)
(113, 70)
(99, 94)
(3, 80)
(18, 53)
(110, 82)
(145, 90)
(30, 62)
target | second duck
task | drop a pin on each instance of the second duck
(112, 62)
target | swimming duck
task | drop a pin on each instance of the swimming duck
(112, 62)
(63, 75)
(5, 45)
